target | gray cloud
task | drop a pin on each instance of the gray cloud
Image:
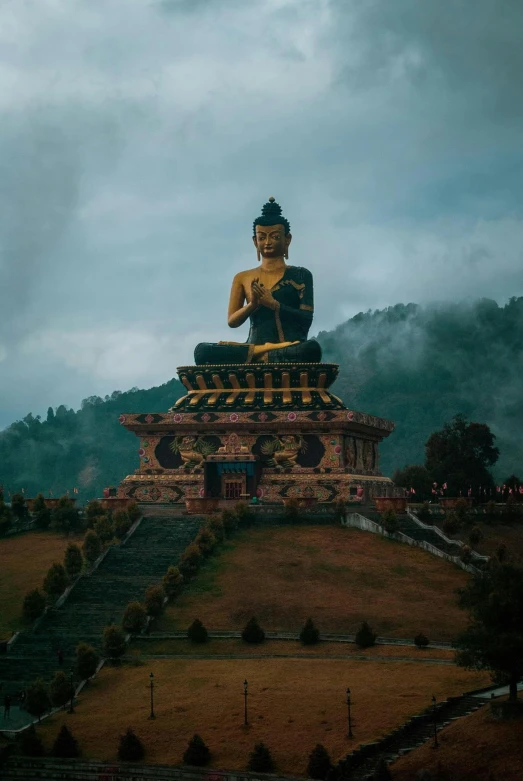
(139, 140)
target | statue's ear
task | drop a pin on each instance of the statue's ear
(288, 238)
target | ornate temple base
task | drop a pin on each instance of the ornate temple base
(270, 431)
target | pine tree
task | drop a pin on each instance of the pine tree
(260, 760)
(65, 745)
(73, 560)
(197, 633)
(87, 661)
(134, 618)
(55, 582)
(365, 637)
(31, 744)
(172, 582)
(319, 763)
(34, 605)
(197, 752)
(310, 634)
(252, 632)
(114, 642)
(92, 547)
(60, 689)
(130, 748)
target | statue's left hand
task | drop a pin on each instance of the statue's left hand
(264, 296)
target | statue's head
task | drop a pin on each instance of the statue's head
(271, 232)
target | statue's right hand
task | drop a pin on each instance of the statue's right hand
(255, 297)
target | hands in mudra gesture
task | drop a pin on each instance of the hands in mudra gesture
(261, 296)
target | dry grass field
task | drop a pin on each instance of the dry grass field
(476, 748)
(339, 577)
(293, 704)
(24, 561)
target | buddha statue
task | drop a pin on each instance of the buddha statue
(275, 297)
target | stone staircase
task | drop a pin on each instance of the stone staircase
(97, 600)
(362, 763)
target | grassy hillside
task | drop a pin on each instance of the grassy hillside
(293, 704)
(24, 561)
(340, 577)
(476, 748)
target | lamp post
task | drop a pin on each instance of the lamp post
(436, 744)
(245, 693)
(71, 708)
(151, 685)
(349, 734)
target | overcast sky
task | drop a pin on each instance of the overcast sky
(139, 139)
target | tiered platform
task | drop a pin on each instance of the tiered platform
(270, 431)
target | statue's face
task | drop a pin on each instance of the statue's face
(271, 241)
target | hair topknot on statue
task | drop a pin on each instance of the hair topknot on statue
(271, 215)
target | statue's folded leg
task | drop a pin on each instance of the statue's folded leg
(209, 353)
(308, 352)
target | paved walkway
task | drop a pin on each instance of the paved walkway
(225, 634)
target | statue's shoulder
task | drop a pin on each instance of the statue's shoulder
(300, 273)
(242, 276)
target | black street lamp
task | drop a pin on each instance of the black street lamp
(436, 744)
(151, 679)
(245, 693)
(350, 735)
(71, 709)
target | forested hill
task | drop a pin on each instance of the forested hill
(419, 366)
(88, 449)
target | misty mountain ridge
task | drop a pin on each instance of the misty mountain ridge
(417, 365)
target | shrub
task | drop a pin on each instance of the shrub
(30, 743)
(65, 745)
(421, 640)
(121, 523)
(382, 772)
(92, 547)
(6, 517)
(134, 512)
(260, 760)
(104, 528)
(216, 527)
(65, 518)
(291, 510)
(451, 524)
(243, 513)
(319, 763)
(55, 582)
(461, 509)
(73, 560)
(206, 541)
(114, 642)
(41, 513)
(34, 605)
(60, 689)
(87, 660)
(365, 637)
(130, 748)
(154, 597)
(135, 618)
(424, 512)
(466, 554)
(197, 633)
(252, 632)
(37, 700)
(230, 521)
(172, 582)
(93, 511)
(310, 634)
(390, 522)
(197, 752)
(190, 561)
(19, 507)
(475, 535)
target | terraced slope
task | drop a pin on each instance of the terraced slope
(98, 599)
